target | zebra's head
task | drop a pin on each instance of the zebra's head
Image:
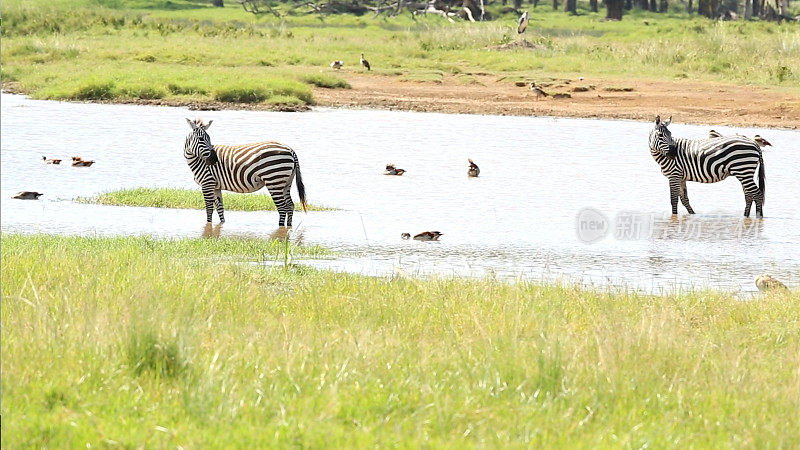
(198, 143)
(661, 138)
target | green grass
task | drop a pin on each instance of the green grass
(187, 50)
(138, 342)
(186, 199)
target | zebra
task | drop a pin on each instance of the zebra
(708, 161)
(243, 168)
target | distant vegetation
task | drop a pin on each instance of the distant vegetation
(139, 342)
(187, 199)
(185, 50)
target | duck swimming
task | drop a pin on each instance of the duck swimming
(428, 236)
(474, 170)
(392, 170)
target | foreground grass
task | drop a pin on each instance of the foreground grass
(187, 199)
(186, 50)
(137, 342)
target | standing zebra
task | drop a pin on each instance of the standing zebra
(242, 168)
(708, 161)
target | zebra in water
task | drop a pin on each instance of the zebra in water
(243, 168)
(708, 161)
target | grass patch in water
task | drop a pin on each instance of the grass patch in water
(187, 199)
(177, 335)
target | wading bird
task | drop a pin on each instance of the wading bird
(537, 91)
(766, 283)
(337, 65)
(474, 170)
(364, 62)
(50, 161)
(522, 23)
(392, 170)
(28, 195)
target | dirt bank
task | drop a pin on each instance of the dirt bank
(687, 101)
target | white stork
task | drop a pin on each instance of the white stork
(337, 65)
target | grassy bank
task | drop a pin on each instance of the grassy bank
(187, 199)
(190, 51)
(136, 342)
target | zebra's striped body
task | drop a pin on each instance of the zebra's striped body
(243, 168)
(708, 161)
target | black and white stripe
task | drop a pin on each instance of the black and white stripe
(243, 168)
(708, 161)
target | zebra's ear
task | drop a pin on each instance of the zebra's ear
(191, 124)
(205, 127)
(658, 120)
(668, 121)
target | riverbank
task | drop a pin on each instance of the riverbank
(193, 346)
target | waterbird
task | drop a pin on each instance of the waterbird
(405, 236)
(82, 163)
(537, 91)
(767, 283)
(522, 23)
(392, 170)
(428, 236)
(761, 141)
(714, 134)
(337, 64)
(50, 161)
(28, 195)
(364, 62)
(474, 170)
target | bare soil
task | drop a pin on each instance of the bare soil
(687, 101)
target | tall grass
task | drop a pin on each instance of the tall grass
(186, 199)
(139, 342)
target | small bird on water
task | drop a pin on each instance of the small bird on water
(392, 170)
(428, 236)
(28, 195)
(405, 236)
(522, 23)
(474, 170)
(766, 283)
(364, 62)
(50, 161)
(81, 163)
(761, 141)
(337, 64)
(537, 91)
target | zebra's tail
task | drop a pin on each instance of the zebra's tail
(301, 189)
(762, 178)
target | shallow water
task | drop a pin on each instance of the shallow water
(541, 180)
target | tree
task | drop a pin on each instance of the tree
(748, 9)
(663, 6)
(555, 5)
(613, 9)
(593, 5)
(218, 3)
(570, 6)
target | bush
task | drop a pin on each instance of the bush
(94, 90)
(326, 81)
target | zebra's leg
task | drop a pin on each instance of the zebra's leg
(751, 193)
(685, 198)
(209, 197)
(288, 205)
(674, 187)
(218, 205)
(278, 198)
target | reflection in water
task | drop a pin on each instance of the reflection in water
(520, 218)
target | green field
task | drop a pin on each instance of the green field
(186, 50)
(187, 199)
(138, 342)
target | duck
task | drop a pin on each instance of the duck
(537, 91)
(405, 236)
(364, 62)
(82, 163)
(28, 195)
(50, 161)
(766, 283)
(77, 158)
(474, 170)
(428, 236)
(392, 170)
(337, 64)
(761, 141)
(714, 134)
